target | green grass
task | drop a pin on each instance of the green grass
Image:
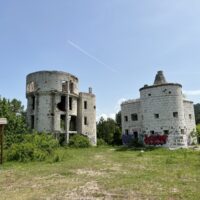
(105, 173)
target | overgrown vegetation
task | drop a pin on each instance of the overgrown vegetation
(198, 132)
(109, 131)
(32, 147)
(79, 141)
(15, 114)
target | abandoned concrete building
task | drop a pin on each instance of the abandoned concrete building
(55, 105)
(161, 116)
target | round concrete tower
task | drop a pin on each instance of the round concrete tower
(52, 96)
(54, 104)
(162, 109)
(161, 116)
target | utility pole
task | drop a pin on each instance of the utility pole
(3, 121)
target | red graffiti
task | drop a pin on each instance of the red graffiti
(155, 139)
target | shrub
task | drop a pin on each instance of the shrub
(21, 152)
(32, 147)
(40, 155)
(101, 142)
(135, 143)
(79, 141)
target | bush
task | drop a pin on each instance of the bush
(12, 139)
(21, 152)
(79, 141)
(135, 143)
(32, 147)
(101, 142)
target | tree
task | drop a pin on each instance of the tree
(109, 131)
(197, 112)
(198, 132)
(118, 119)
(14, 112)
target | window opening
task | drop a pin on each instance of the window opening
(134, 117)
(33, 102)
(71, 87)
(152, 132)
(85, 104)
(85, 121)
(64, 86)
(70, 103)
(175, 114)
(166, 132)
(125, 118)
(62, 105)
(156, 116)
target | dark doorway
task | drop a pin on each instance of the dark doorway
(135, 133)
(62, 121)
(72, 126)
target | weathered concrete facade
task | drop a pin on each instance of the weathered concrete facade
(161, 115)
(55, 105)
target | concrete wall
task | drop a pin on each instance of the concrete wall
(189, 119)
(127, 109)
(87, 127)
(53, 95)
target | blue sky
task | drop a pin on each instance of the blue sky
(114, 46)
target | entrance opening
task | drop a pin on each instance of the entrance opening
(72, 125)
(62, 106)
(135, 135)
(62, 121)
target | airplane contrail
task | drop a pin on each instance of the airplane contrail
(91, 56)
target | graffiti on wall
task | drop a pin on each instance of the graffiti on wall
(155, 139)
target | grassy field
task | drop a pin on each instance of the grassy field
(105, 173)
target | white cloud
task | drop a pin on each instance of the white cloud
(192, 92)
(116, 109)
(106, 116)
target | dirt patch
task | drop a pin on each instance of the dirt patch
(90, 172)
